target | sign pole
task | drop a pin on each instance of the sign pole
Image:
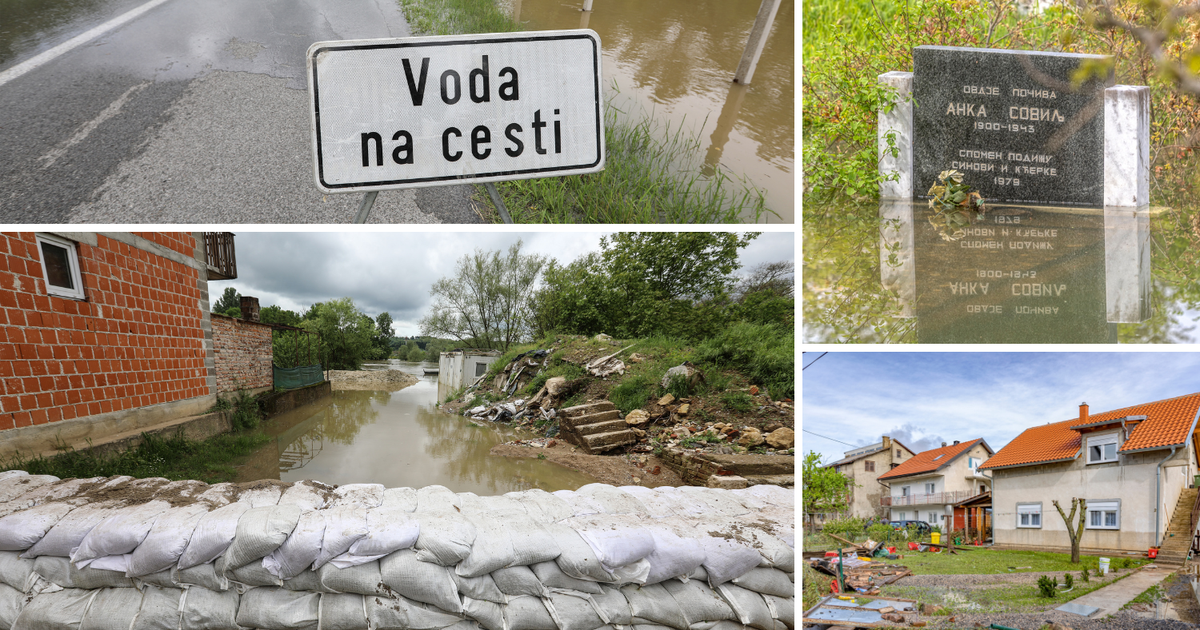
(364, 210)
(497, 201)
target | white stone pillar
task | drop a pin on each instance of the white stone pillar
(1127, 264)
(897, 252)
(1127, 146)
(897, 123)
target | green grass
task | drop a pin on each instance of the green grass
(980, 560)
(1152, 594)
(1003, 598)
(652, 172)
(815, 586)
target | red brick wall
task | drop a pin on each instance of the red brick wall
(243, 354)
(135, 341)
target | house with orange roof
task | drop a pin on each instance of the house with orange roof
(1132, 466)
(863, 466)
(927, 486)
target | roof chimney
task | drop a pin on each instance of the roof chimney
(887, 442)
(943, 444)
(956, 442)
(249, 306)
(1083, 412)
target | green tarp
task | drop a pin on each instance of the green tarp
(292, 378)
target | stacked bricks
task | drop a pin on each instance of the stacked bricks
(136, 339)
(243, 354)
(691, 467)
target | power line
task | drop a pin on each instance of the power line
(810, 365)
(827, 437)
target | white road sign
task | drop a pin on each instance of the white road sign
(429, 111)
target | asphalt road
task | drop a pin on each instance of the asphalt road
(194, 111)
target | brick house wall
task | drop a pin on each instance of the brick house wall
(135, 339)
(242, 350)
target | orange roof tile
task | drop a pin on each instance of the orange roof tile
(1167, 423)
(928, 461)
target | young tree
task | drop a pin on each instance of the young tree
(345, 333)
(675, 265)
(1074, 529)
(824, 489)
(276, 315)
(229, 299)
(487, 300)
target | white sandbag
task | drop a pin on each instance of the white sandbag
(474, 505)
(777, 496)
(118, 563)
(265, 493)
(60, 571)
(482, 588)
(613, 605)
(388, 529)
(11, 603)
(659, 506)
(528, 613)
(726, 559)
(307, 580)
(15, 570)
(252, 574)
(201, 575)
(577, 558)
(618, 545)
(749, 606)
(783, 609)
(549, 574)
(160, 609)
(716, 502)
(307, 495)
(492, 548)
(342, 611)
(60, 610)
(421, 581)
(445, 537)
(635, 573)
(698, 602)
(436, 499)
(160, 578)
(542, 506)
(112, 609)
(404, 614)
(21, 530)
(614, 500)
(766, 581)
(574, 611)
(213, 534)
(364, 579)
(487, 614)
(344, 525)
(15, 486)
(580, 505)
(364, 495)
(166, 540)
(654, 604)
(301, 548)
(671, 498)
(204, 609)
(70, 530)
(672, 556)
(531, 543)
(271, 608)
(752, 533)
(259, 532)
(404, 499)
(219, 494)
(518, 581)
(118, 534)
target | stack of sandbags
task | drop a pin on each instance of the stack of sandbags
(125, 553)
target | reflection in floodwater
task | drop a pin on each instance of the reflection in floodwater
(677, 59)
(397, 439)
(1017, 274)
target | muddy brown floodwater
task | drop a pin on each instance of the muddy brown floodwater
(398, 439)
(676, 59)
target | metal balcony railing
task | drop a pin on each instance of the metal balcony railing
(220, 255)
(937, 498)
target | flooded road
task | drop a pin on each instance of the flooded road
(398, 439)
(676, 58)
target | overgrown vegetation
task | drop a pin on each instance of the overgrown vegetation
(652, 174)
(1047, 586)
(815, 586)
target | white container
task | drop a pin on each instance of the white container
(1103, 566)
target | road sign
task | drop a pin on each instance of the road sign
(429, 111)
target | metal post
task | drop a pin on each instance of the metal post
(364, 210)
(757, 40)
(587, 5)
(496, 201)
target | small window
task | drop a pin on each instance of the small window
(904, 491)
(480, 369)
(60, 267)
(870, 465)
(1029, 515)
(930, 488)
(972, 463)
(1104, 514)
(897, 453)
(932, 518)
(1102, 449)
(939, 457)
(900, 516)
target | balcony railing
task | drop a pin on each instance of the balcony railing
(928, 499)
(220, 256)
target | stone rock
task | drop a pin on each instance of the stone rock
(683, 409)
(637, 358)
(556, 385)
(893, 617)
(602, 337)
(727, 482)
(637, 416)
(782, 437)
(682, 432)
(930, 609)
(666, 400)
(771, 427)
(751, 437)
(638, 432)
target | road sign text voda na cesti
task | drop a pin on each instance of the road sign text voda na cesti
(426, 111)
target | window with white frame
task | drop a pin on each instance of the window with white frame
(1104, 514)
(931, 518)
(60, 267)
(904, 490)
(900, 516)
(973, 463)
(1029, 515)
(1102, 448)
(930, 488)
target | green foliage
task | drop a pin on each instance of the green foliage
(346, 333)
(229, 299)
(848, 528)
(1085, 575)
(1150, 595)
(737, 401)
(766, 353)
(1047, 586)
(246, 413)
(1069, 580)
(880, 531)
(632, 393)
(825, 490)
(276, 315)
(814, 586)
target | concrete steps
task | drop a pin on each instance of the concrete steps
(595, 427)
(1177, 540)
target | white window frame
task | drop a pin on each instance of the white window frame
(1102, 441)
(72, 262)
(933, 518)
(931, 487)
(900, 516)
(1034, 513)
(478, 372)
(904, 491)
(1103, 508)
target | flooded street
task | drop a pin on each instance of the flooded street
(397, 439)
(676, 59)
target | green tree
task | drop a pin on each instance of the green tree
(276, 315)
(825, 490)
(229, 299)
(346, 333)
(675, 265)
(382, 341)
(486, 302)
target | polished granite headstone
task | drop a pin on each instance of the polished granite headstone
(1011, 121)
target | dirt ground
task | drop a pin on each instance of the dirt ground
(378, 380)
(617, 470)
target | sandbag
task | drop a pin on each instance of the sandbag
(404, 499)
(672, 556)
(404, 614)
(15, 570)
(112, 609)
(617, 545)
(301, 548)
(444, 537)
(725, 560)
(487, 614)
(213, 534)
(698, 602)
(166, 541)
(615, 608)
(272, 608)
(580, 505)
(614, 500)
(204, 609)
(783, 609)
(519, 581)
(749, 606)
(118, 563)
(160, 578)
(574, 612)
(766, 581)
(652, 603)
(160, 609)
(307, 495)
(342, 611)
(53, 611)
(657, 504)
(118, 534)
(388, 529)
(21, 530)
(11, 602)
(307, 580)
(265, 493)
(17, 485)
(252, 574)
(259, 532)
(577, 558)
(364, 579)
(364, 495)
(201, 575)
(549, 574)
(436, 499)
(542, 506)
(70, 530)
(60, 571)
(421, 581)
(344, 525)
(528, 613)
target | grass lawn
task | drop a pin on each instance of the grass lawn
(996, 598)
(981, 560)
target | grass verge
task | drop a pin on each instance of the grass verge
(999, 561)
(652, 172)
(994, 598)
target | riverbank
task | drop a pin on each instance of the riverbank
(628, 470)
(372, 380)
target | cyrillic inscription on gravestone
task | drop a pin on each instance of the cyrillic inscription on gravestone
(1011, 121)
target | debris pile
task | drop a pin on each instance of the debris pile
(119, 552)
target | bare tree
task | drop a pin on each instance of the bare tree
(1074, 529)
(1160, 29)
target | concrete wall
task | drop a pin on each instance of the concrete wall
(134, 341)
(242, 354)
(458, 368)
(1130, 480)
(867, 494)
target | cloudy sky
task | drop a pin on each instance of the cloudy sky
(923, 399)
(393, 271)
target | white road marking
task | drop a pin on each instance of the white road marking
(50, 158)
(74, 42)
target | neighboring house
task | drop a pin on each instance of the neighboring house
(462, 368)
(927, 487)
(1132, 466)
(864, 466)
